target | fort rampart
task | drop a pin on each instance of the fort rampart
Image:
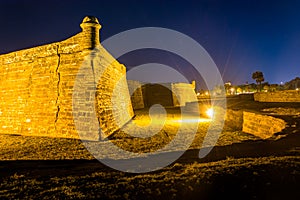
(36, 87)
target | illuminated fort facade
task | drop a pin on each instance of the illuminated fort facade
(37, 84)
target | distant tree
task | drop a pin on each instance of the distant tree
(266, 88)
(239, 90)
(292, 84)
(227, 87)
(259, 78)
(273, 87)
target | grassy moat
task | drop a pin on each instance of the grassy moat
(240, 165)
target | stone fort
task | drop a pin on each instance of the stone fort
(36, 87)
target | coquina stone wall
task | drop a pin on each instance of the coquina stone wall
(167, 94)
(36, 87)
(183, 93)
(234, 119)
(136, 93)
(262, 126)
(279, 96)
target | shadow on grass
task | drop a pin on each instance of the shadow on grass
(285, 146)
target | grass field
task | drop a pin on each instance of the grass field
(240, 165)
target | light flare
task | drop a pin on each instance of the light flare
(192, 120)
(210, 112)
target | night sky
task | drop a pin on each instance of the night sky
(241, 36)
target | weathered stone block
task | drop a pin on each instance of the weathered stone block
(261, 125)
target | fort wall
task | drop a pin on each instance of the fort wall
(183, 93)
(278, 96)
(165, 94)
(36, 87)
(136, 92)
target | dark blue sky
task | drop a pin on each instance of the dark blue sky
(241, 36)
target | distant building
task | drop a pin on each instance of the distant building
(166, 94)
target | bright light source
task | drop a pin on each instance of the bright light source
(297, 89)
(192, 120)
(210, 112)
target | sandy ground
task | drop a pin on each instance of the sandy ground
(240, 165)
(18, 147)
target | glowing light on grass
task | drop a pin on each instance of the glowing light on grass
(150, 126)
(192, 120)
(210, 112)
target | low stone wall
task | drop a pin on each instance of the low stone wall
(279, 96)
(263, 126)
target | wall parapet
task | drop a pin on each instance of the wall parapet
(88, 39)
